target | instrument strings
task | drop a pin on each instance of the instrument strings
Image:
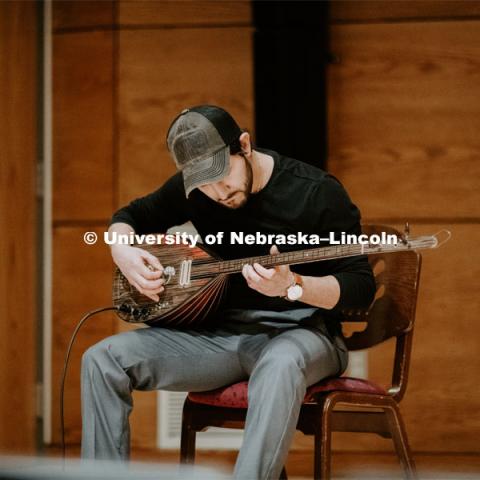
(213, 267)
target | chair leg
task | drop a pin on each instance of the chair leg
(322, 449)
(187, 441)
(187, 446)
(400, 440)
(283, 474)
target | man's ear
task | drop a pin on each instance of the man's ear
(245, 144)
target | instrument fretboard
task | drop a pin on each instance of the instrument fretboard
(322, 254)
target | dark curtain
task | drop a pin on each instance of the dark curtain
(291, 52)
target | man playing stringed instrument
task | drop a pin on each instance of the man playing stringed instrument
(277, 327)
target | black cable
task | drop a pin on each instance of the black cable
(65, 365)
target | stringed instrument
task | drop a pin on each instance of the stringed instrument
(195, 280)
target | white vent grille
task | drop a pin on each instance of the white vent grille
(170, 405)
(357, 364)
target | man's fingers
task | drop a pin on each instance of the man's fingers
(148, 285)
(264, 272)
(153, 296)
(151, 274)
(280, 268)
(144, 266)
(250, 274)
(152, 260)
(274, 250)
(148, 293)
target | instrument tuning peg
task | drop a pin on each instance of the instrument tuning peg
(406, 233)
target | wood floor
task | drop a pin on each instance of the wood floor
(345, 465)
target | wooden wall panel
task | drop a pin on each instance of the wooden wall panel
(68, 14)
(82, 279)
(443, 391)
(379, 10)
(18, 253)
(82, 126)
(160, 73)
(410, 115)
(184, 12)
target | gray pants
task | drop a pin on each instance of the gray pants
(280, 360)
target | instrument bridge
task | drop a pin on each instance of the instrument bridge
(185, 272)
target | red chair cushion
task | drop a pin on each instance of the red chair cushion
(236, 395)
(343, 384)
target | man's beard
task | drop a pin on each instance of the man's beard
(245, 190)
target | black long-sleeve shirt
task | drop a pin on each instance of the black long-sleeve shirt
(297, 198)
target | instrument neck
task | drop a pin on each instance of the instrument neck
(310, 255)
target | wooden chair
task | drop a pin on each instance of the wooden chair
(365, 406)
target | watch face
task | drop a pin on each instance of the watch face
(294, 292)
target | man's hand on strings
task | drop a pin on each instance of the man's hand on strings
(272, 282)
(142, 269)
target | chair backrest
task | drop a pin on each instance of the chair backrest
(392, 313)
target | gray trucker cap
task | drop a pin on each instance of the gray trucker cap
(199, 141)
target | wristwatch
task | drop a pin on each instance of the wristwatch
(295, 290)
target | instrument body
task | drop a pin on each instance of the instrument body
(185, 301)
